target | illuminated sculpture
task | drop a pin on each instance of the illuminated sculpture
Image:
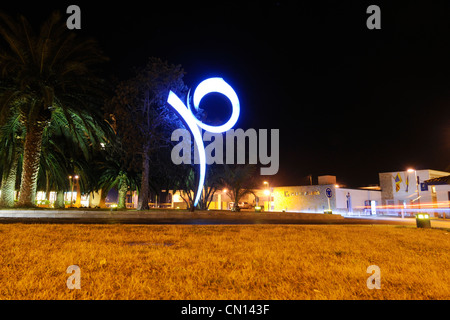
(212, 85)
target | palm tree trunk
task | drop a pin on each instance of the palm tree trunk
(9, 184)
(103, 195)
(47, 186)
(59, 203)
(143, 194)
(78, 190)
(30, 167)
(123, 188)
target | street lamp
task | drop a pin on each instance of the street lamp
(417, 185)
(78, 190)
(71, 193)
(267, 193)
(72, 182)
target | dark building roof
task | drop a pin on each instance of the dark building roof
(437, 181)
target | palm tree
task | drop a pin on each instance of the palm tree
(109, 169)
(111, 178)
(69, 149)
(65, 150)
(11, 145)
(43, 72)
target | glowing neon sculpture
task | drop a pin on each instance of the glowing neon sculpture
(217, 85)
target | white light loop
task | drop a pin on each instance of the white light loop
(216, 85)
(179, 106)
(207, 86)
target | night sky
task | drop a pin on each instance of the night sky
(348, 101)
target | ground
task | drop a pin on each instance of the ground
(223, 262)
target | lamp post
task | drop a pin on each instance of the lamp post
(71, 192)
(78, 189)
(267, 193)
(72, 183)
(416, 177)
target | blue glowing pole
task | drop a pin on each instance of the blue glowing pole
(179, 106)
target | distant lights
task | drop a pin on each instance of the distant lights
(422, 216)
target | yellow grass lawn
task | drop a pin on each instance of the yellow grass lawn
(223, 262)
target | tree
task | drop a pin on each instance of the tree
(42, 72)
(213, 181)
(109, 172)
(142, 118)
(239, 180)
(186, 184)
(69, 150)
(11, 145)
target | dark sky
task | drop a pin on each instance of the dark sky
(348, 101)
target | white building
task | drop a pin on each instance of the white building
(326, 195)
(411, 191)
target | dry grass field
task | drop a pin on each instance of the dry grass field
(223, 262)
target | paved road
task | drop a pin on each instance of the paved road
(196, 218)
(435, 223)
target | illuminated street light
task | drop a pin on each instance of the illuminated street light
(417, 185)
(267, 193)
(71, 193)
(77, 204)
(72, 182)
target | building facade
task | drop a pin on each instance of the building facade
(408, 192)
(322, 197)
